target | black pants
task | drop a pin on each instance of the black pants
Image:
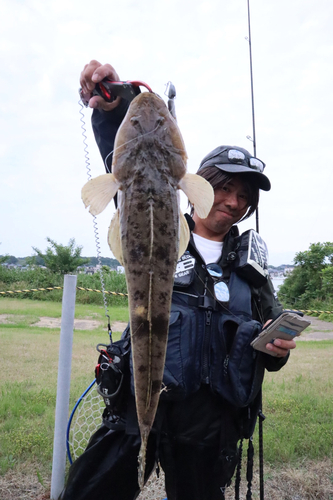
(196, 447)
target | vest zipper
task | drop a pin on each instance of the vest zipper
(206, 347)
(225, 367)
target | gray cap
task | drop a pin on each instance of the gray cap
(237, 160)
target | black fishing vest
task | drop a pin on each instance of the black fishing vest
(209, 343)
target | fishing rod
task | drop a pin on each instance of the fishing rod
(261, 416)
(253, 138)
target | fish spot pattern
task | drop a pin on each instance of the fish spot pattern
(136, 272)
(141, 207)
(139, 294)
(163, 253)
(139, 252)
(164, 275)
(163, 297)
(156, 386)
(163, 228)
(161, 323)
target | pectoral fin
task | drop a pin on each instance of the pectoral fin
(199, 192)
(184, 235)
(99, 192)
(114, 239)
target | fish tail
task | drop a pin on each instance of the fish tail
(142, 459)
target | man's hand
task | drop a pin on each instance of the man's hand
(279, 346)
(93, 73)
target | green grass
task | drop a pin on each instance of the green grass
(298, 403)
(28, 307)
(29, 366)
(298, 400)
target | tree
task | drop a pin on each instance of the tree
(3, 258)
(35, 260)
(62, 259)
(312, 277)
(12, 259)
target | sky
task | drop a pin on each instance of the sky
(201, 47)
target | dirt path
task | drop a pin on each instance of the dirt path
(79, 324)
(318, 330)
(309, 480)
(47, 322)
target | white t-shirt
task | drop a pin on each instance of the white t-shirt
(208, 249)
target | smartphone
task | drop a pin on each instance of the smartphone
(286, 326)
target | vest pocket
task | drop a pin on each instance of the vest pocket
(182, 365)
(235, 372)
(182, 370)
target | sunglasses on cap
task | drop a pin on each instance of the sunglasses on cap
(238, 157)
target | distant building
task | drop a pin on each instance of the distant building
(90, 270)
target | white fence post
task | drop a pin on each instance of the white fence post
(63, 386)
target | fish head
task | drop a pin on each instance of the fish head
(148, 123)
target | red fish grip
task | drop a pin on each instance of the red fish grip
(110, 90)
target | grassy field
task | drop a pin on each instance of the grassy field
(298, 400)
(29, 365)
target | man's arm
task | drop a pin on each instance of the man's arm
(270, 309)
(105, 125)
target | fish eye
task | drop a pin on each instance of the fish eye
(135, 120)
(160, 121)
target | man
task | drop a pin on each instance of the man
(204, 411)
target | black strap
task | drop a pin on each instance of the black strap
(249, 471)
(250, 455)
(238, 472)
(203, 302)
(261, 454)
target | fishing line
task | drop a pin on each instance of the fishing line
(125, 144)
(95, 225)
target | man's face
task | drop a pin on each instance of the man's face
(230, 205)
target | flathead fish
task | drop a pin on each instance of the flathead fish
(147, 235)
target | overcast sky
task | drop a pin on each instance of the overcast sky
(201, 47)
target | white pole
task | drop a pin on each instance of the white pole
(63, 386)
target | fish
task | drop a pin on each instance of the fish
(147, 235)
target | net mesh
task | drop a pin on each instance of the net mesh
(86, 420)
